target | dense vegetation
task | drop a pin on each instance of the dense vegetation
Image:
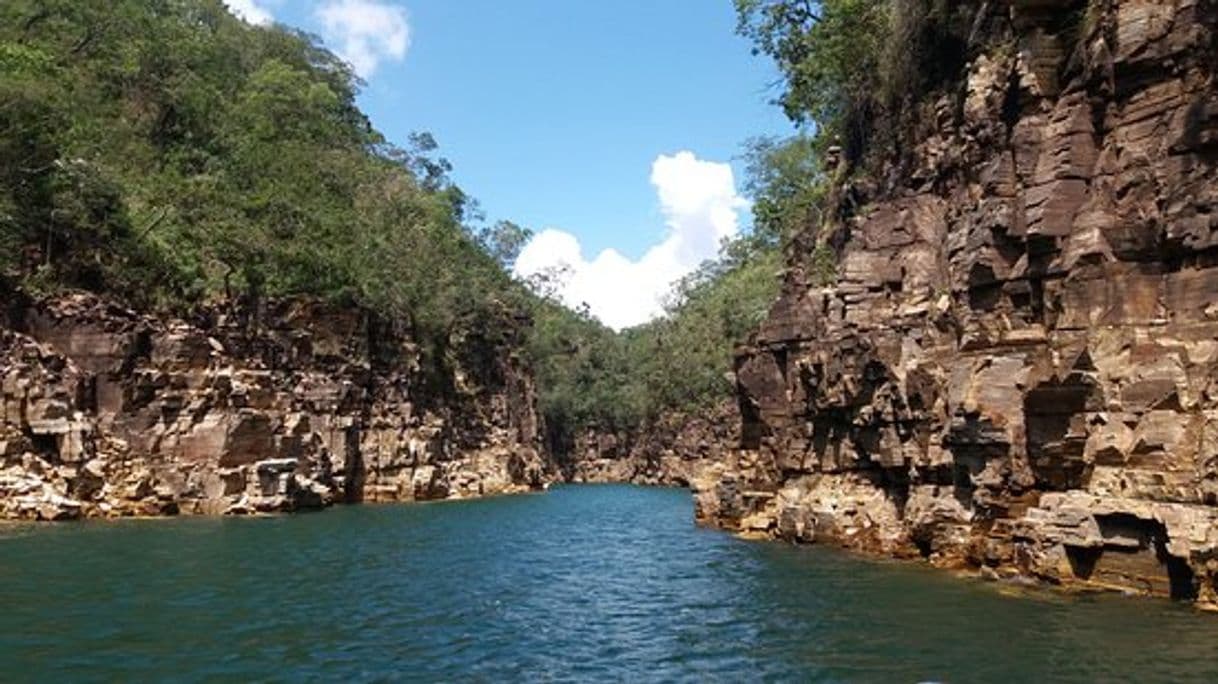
(855, 70)
(166, 152)
(593, 377)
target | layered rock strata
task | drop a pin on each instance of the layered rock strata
(674, 451)
(1016, 367)
(105, 412)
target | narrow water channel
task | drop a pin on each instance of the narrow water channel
(604, 583)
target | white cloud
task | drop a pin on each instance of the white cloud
(701, 208)
(365, 32)
(250, 11)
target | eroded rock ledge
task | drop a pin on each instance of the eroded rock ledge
(1016, 369)
(106, 412)
(675, 451)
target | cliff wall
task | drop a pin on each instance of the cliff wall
(106, 412)
(1016, 368)
(675, 451)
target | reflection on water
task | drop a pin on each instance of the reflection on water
(586, 582)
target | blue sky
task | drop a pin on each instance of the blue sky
(601, 124)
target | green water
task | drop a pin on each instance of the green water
(590, 583)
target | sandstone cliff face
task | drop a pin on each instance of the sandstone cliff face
(104, 412)
(674, 452)
(1016, 369)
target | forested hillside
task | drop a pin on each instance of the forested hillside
(592, 377)
(164, 151)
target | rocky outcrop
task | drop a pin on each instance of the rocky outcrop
(674, 451)
(1016, 368)
(105, 412)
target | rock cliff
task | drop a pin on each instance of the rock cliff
(675, 451)
(295, 404)
(1015, 368)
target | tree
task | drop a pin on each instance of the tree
(785, 182)
(504, 241)
(852, 69)
(830, 54)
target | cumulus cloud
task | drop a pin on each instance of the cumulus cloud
(250, 11)
(365, 32)
(701, 207)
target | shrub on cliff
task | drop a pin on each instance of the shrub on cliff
(853, 68)
(785, 180)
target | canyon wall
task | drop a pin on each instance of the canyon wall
(290, 405)
(1015, 368)
(674, 451)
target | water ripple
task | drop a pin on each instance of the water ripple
(587, 583)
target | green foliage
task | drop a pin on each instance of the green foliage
(18, 60)
(585, 371)
(785, 182)
(854, 68)
(682, 362)
(687, 355)
(840, 72)
(593, 377)
(830, 54)
(504, 240)
(164, 151)
(823, 266)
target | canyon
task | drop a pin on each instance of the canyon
(1013, 371)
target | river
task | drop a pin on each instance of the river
(589, 583)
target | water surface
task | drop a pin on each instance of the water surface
(594, 583)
